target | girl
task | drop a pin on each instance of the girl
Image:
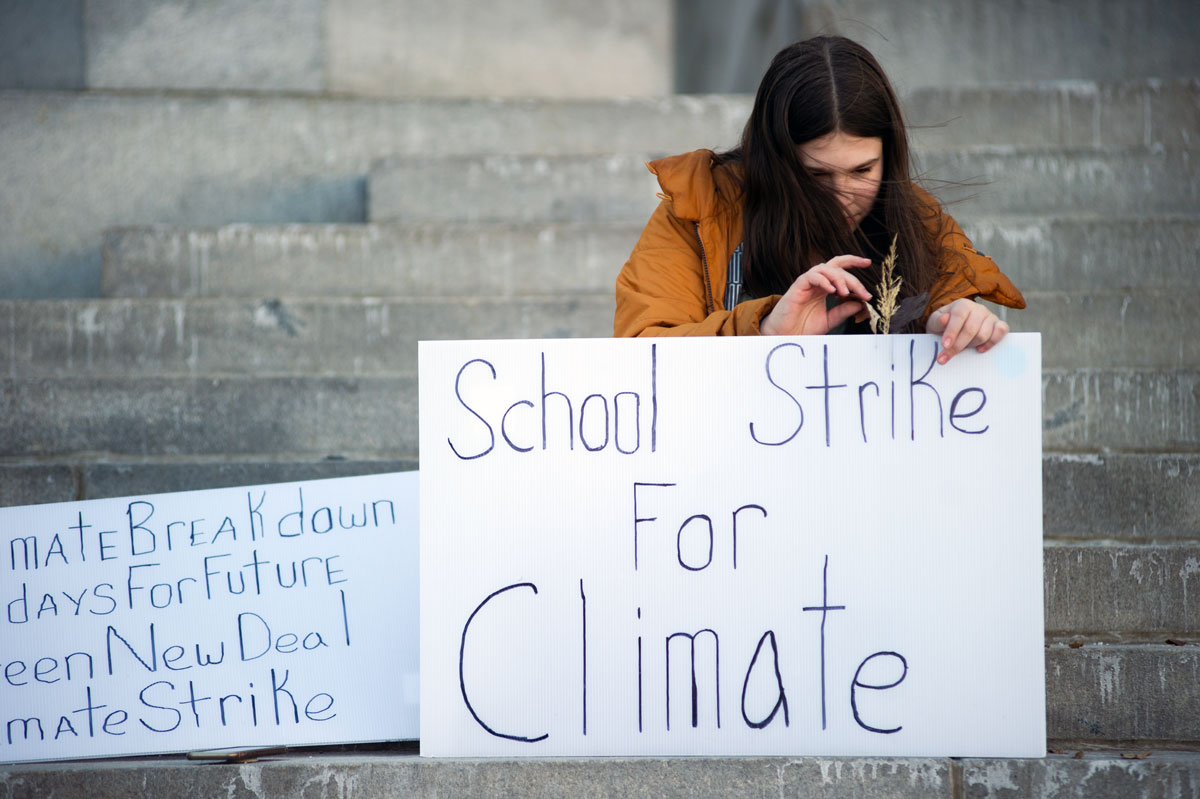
(806, 207)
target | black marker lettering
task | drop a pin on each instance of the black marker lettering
(862, 414)
(570, 409)
(824, 607)
(679, 542)
(504, 426)
(913, 382)
(955, 415)
(781, 700)
(695, 688)
(458, 394)
(639, 519)
(799, 407)
(583, 414)
(462, 683)
(758, 508)
(825, 387)
(856, 684)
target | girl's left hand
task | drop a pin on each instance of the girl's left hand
(965, 323)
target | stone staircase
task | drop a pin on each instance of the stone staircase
(263, 329)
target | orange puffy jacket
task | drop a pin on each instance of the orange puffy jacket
(674, 281)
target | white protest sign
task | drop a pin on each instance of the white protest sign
(823, 545)
(266, 615)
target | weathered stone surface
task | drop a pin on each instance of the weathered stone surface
(33, 484)
(1099, 775)
(503, 259)
(1102, 588)
(532, 188)
(920, 43)
(1121, 409)
(41, 45)
(270, 45)
(378, 335)
(457, 259)
(401, 775)
(1063, 254)
(209, 416)
(1078, 181)
(101, 480)
(1138, 497)
(196, 160)
(1076, 114)
(1123, 692)
(548, 48)
(726, 46)
(1092, 775)
(209, 160)
(1142, 328)
(618, 188)
(134, 338)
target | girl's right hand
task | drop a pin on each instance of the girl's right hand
(801, 310)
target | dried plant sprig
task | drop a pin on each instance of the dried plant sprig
(887, 296)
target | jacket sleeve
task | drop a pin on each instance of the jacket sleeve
(663, 289)
(966, 272)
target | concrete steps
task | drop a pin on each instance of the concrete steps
(430, 260)
(617, 188)
(209, 337)
(265, 332)
(1135, 692)
(191, 159)
(203, 159)
(1058, 253)
(290, 251)
(1086, 410)
(378, 335)
(1127, 497)
(1099, 588)
(1061, 253)
(1062, 182)
(207, 416)
(1113, 774)
(79, 477)
(1071, 114)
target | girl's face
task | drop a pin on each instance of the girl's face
(850, 166)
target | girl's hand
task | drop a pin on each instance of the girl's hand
(801, 310)
(965, 323)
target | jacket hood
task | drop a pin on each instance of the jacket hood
(696, 188)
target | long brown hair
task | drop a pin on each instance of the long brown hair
(793, 221)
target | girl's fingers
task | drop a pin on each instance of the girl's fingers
(849, 262)
(1002, 330)
(824, 283)
(847, 283)
(949, 336)
(969, 334)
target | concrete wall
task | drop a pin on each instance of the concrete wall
(271, 45)
(559, 48)
(41, 44)
(380, 48)
(725, 47)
